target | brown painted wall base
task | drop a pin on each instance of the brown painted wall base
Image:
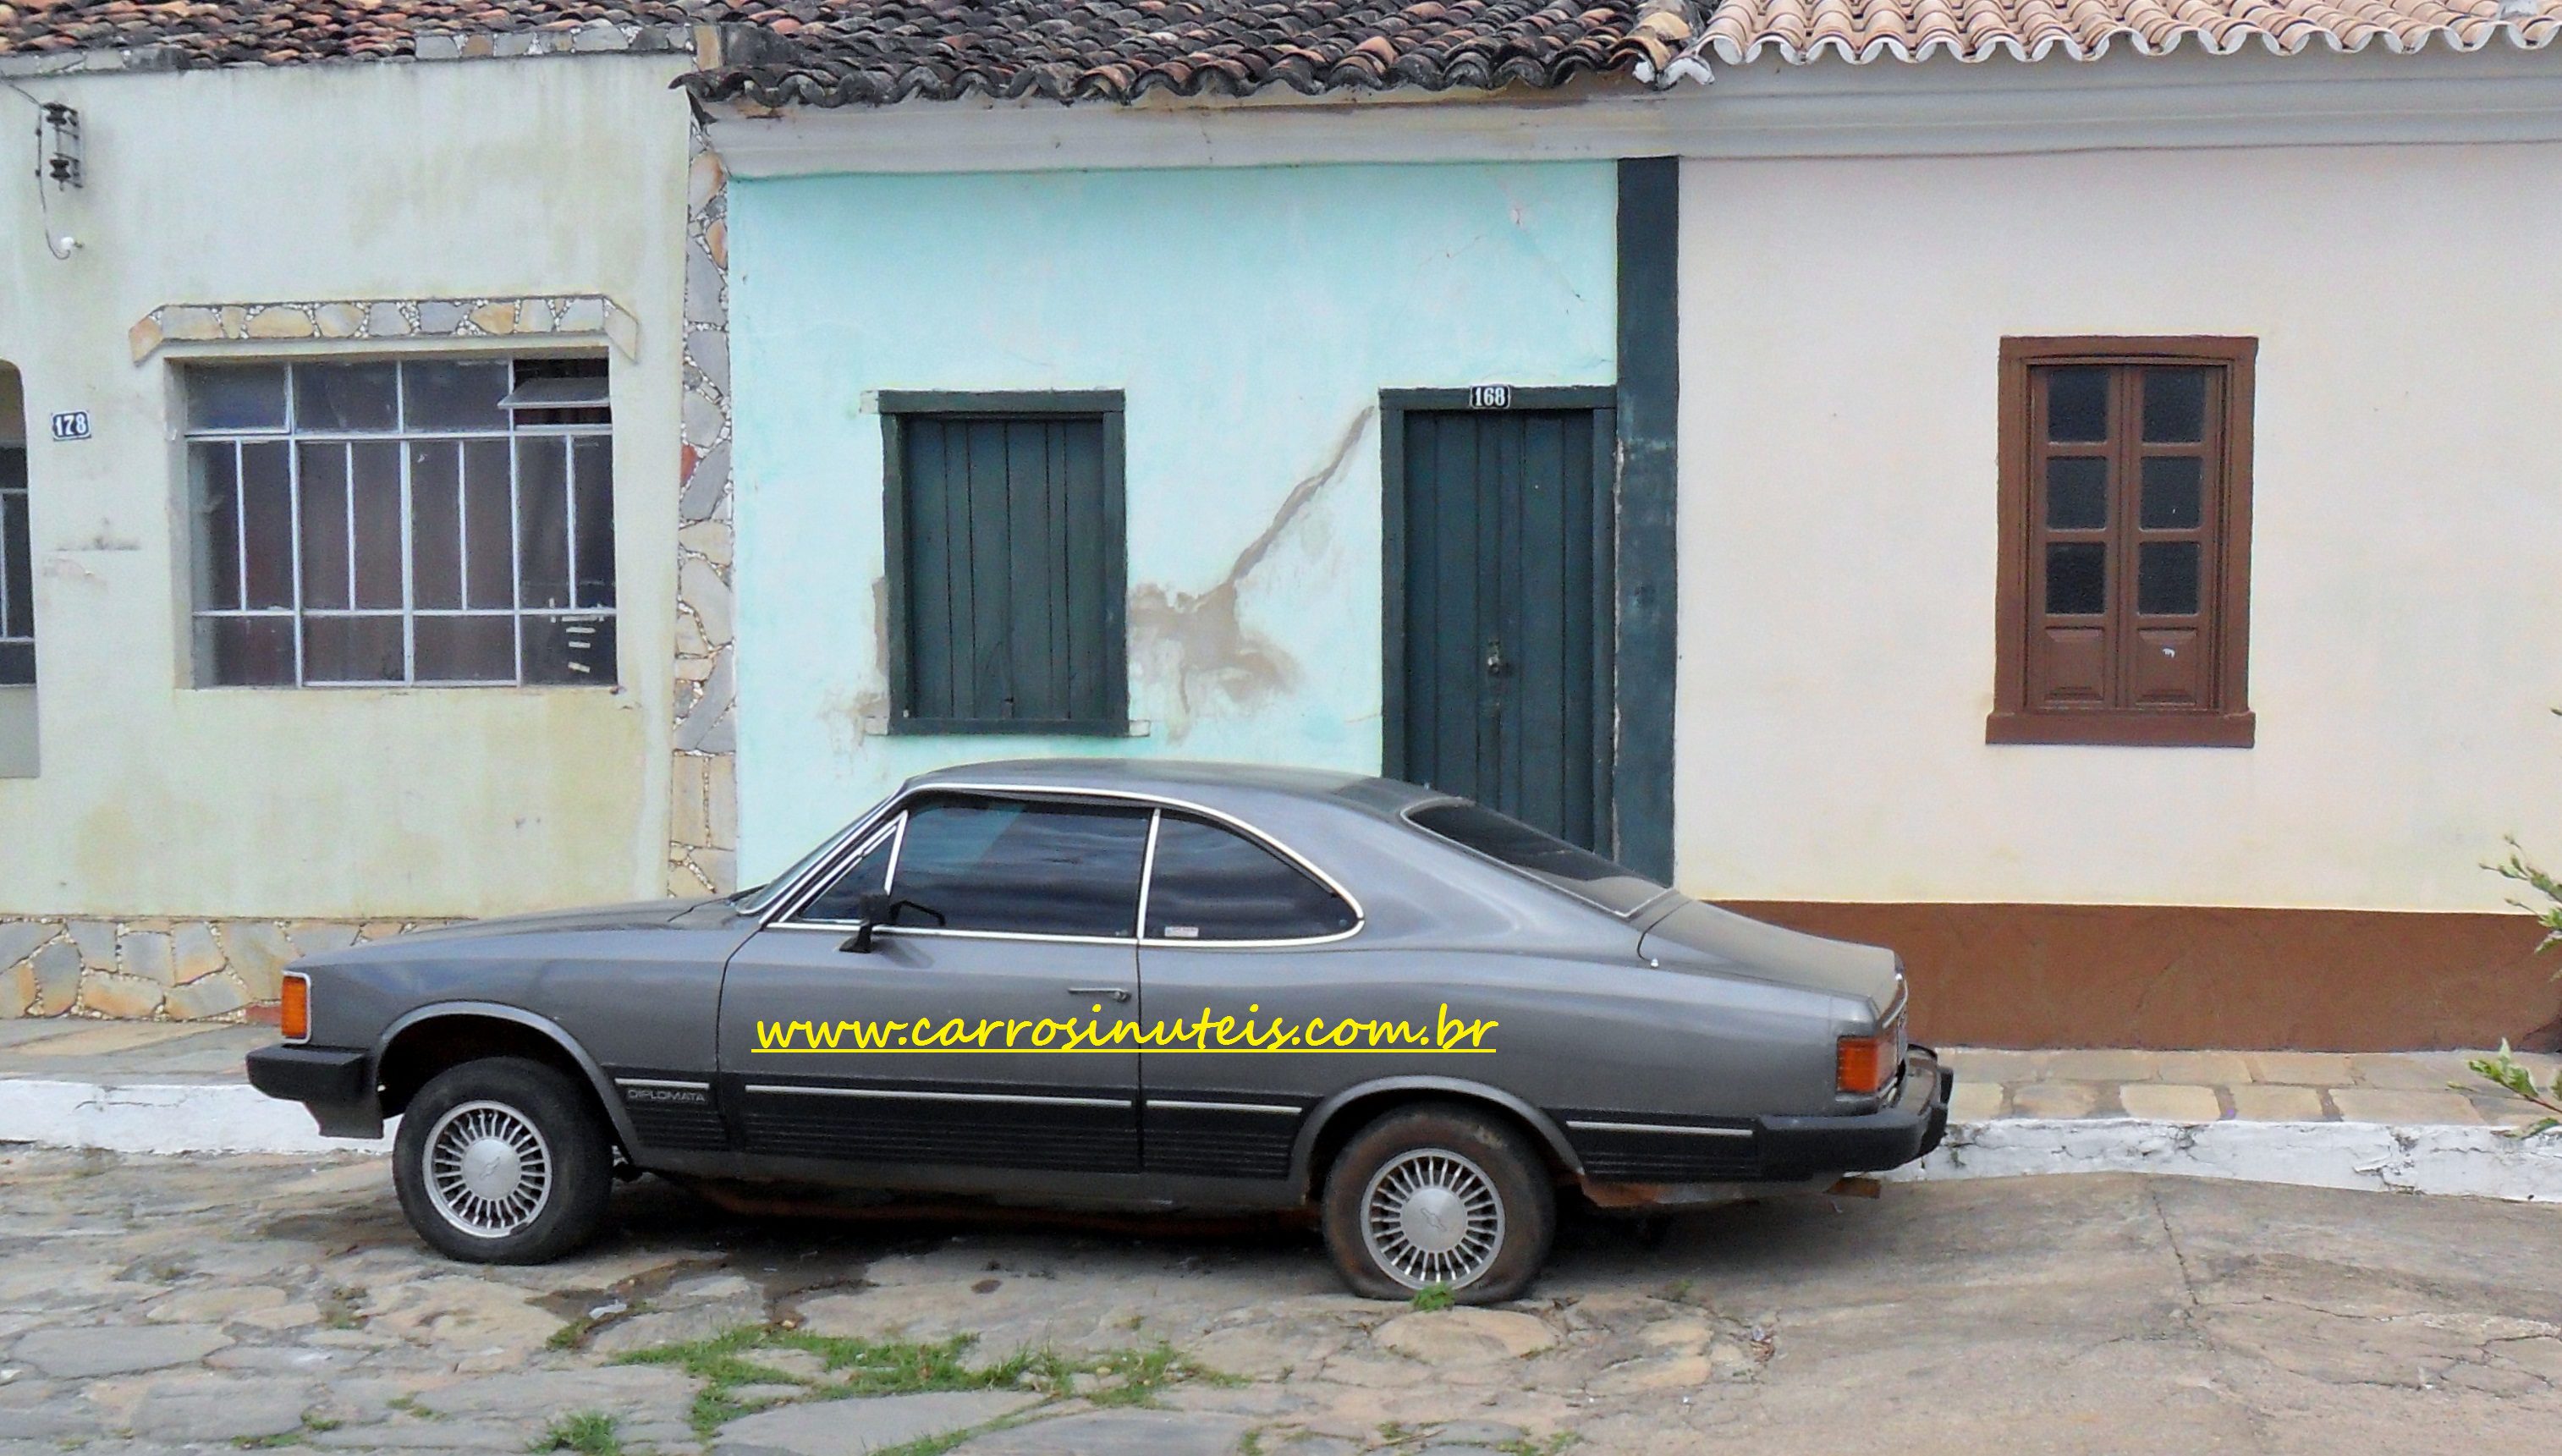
(2031, 976)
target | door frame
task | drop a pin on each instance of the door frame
(1602, 402)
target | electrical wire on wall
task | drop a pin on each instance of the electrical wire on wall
(64, 171)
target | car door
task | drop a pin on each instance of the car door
(953, 1039)
(1237, 929)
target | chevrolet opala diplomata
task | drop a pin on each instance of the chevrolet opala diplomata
(1133, 985)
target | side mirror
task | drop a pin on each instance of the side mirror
(871, 909)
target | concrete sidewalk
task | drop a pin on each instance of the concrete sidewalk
(2335, 1120)
(145, 1087)
(2393, 1088)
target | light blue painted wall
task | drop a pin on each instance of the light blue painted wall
(1250, 317)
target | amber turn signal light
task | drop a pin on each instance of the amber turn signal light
(1859, 1064)
(295, 1009)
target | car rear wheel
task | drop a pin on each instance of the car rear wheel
(1438, 1195)
(502, 1161)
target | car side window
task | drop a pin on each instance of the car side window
(1214, 884)
(1027, 866)
(842, 899)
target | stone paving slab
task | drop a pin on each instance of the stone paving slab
(2098, 1314)
(1117, 1433)
(860, 1427)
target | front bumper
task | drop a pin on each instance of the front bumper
(1794, 1147)
(336, 1086)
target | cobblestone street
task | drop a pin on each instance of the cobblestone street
(218, 1303)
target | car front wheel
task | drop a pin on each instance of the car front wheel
(1438, 1195)
(503, 1161)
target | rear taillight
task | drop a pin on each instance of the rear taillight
(295, 1007)
(1862, 1064)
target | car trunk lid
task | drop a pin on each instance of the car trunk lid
(1688, 933)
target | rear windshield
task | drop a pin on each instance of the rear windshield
(1580, 873)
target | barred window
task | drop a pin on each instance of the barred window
(17, 573)
(443, 520)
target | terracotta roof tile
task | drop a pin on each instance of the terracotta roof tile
(1800, 31)
(288, 32)
(1121, 50)
(836, 52)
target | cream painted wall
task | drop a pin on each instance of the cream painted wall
(547, 175)
(1841, 321)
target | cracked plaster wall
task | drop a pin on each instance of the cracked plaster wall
(1249, 317)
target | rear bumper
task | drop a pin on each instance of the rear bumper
(335, 1085)
(1908, 1127)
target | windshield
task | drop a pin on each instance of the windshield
(754, 900)
(1579, 873)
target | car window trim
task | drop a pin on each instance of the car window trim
(1406, 814)
(836, 866)
(786, 906)
(825, 867)
(890, 885)
(1278, 850)
(1147, 872)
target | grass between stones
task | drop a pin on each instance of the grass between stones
(312, 1425)
(853, 1367)
(587, 1433)
(574, 1334)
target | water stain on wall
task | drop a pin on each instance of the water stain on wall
(1203, 648)
(851, 715)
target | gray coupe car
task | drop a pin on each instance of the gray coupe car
(1137, 985)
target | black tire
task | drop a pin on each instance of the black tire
(1464, 1140)
(505, 1098)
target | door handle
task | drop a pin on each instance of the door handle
(1497, 664)
(1114, 992)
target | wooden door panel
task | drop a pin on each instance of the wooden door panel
(2169, 669)
(2073, 670)
(1502, 697)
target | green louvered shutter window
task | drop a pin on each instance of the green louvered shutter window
(1008, 557)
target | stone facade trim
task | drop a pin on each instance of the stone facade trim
(162, 968)
(542, 316)
(703, 823)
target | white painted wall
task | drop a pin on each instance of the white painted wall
(549, 175)
(1841, 319)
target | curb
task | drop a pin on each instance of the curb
(2450, 1159)
(165, 1117)
(2472, 1161)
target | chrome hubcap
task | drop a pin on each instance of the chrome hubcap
(1432, 1217)
(489, 1171)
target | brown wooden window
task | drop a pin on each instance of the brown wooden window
(2125, 541)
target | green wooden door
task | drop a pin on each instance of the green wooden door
(1501, 540)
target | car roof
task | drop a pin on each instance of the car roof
(1212, 784)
